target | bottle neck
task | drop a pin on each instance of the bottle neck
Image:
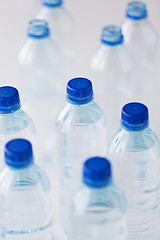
(39, 39)
(109, 48)
(52, 4)
(139, 22)
(80, 104)
(98, 190)
(135, 128)
(12, 110)
(21, 171)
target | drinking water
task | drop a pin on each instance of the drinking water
(98, 209)
(112, 69)
(14, 122)
(135, 155)
(82, 134)
(25, 203)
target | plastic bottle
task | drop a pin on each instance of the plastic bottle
(142, 40)
(14, 122)
(98, 209)
(63, 31)
(25, 209)
(42, 86)
(112, 69)
(140, 36)
(135, 154)
(82, 134)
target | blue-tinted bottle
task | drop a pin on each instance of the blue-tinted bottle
(14, 122)
(135, 154)
(25, 201)
(82, 134)
(98, 209)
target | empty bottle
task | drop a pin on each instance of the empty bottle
(25, 209)
(62, 30)
(14, 122)
(142, 40)
(42, 85)
(135, 154)
(82, 134)
(98, 209)
(140, 36)
(112, 69)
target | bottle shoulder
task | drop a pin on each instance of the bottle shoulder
(112, 59)
(134, 141)
(16, 121)
(110, 198)
(76, 115)
(39, 51)
(141, 31)
(29, 179)
(55, 15)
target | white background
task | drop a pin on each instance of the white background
(90, 17)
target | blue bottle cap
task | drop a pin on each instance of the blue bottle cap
(38, 29)
(18, 153)
(134, 116)
(136, 10)
(79, 91)
(9, 99)
(112, 35)
(52, 3)
(97, 172)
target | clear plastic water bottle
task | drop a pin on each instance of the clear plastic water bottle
(62, 30)
(82, 134)
(41, 85)
(98, 209)
(112, 69)
(135, 154)
(14, 122)
(25, 209)
(140, 36)
(142, 40)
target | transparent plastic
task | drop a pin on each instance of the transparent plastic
(14, 125)
(112, 70)
(25, 209)
(135, 159)
(142, 41)
(42, 88)
(62, 29)
(98, 213)
(82, 134)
